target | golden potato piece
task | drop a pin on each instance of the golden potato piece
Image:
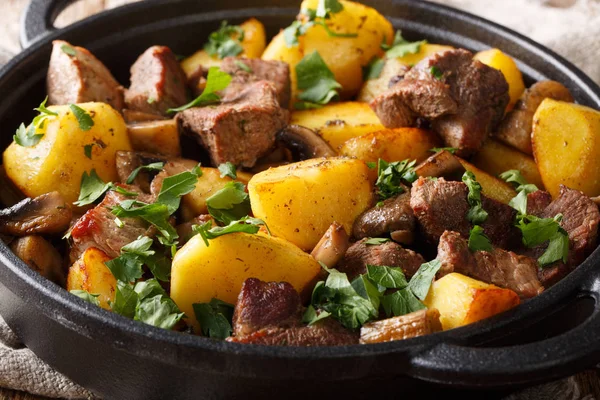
(277, 50)
(194, 203)
(158, 137)
(376, 86)
(89, 273)
(339, 122)
(201, 272)
(392, 145)
(491, 186)
(566, 146)
(503, 62)
(40, 256)
(59, 160)
(254, 43)
(418, 323)
(495, 158)
(300, 201)
(426, 50)
(462, 300)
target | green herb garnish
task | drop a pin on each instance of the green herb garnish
(214, 318)
(157, 166)
(228, 169)
(216, 80)
(476, 214)
(87, 296)
(391, 175)
(376, 241)
(451, 150)
(230, 203)
(436, 72)
(246, 225)
(478, 241)
(421, 281)
(243, 66)
(28, 136)
(128, 266)
(373, 69)
(401, 47)
(83, 118)
(68, 50)
(226, 41)
(316, 81)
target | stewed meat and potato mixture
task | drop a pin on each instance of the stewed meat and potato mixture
(340, 185)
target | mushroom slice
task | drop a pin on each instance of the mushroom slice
(332, 246)
(45, 214)
(133, 116)
(304, 143)
(407, 326)
(40, 256)
(440, 164)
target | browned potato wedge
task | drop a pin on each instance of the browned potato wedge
(374, 87)
(462, 300)
(441, 164)
(158, 137)
(407, 326)
(41, 256)
(515, 128)
(495, 158)
(90, 274)
(566, 146)
(392, 145)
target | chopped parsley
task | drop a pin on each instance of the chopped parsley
(84, 119)
(451, 150)
(519, 202)
(316, 81)
(243, 66)
(68, 50)
(419, 284)
(28, 136)
(311, 316)
(436, 72)
(226, 41)
(401, 47)
(230, 203)
(92, 188)
(478, 241)
(476, 214)
(87, 150)
(214, 318)
(128, 266)
(157, 166)
(216, 80)
(228, 169)
(391, 175)
(376, 241)
(87, 296)
(245, 224)
(373, 69)
(391, 278)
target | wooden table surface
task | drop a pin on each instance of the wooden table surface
(588, 382)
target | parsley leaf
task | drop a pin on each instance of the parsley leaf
(477, 214)
(327, 7)
(402, 47)
(401, 302)
(436, 72)
(226, 41)
(157, 166)
(292, 32)
(156, 214)
(228, 169)
(391, 175)
(373, 69)
(478, 241)
(126, 300)
(310, 315)
(451, 150)
(214, 318)
(128, 266)
(83, 118)
(376, 241)
(513, 176)
(537, 230)
(87, 150)
(230, 203)
(68, 50)
(421, 281)
(243, 66)
(215, 81)
(91, 188)
(159, 311)
(387, 277)
(27, 136)
(316, 81)
(175, 186)
(558, 249)
(519, 202)
(87, 296)
(246, 225)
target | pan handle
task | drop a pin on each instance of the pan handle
(527, 363)
(38, 19)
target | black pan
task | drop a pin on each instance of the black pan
(553, 335)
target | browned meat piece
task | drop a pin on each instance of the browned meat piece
(332, 246)
(97, 227)
(537, 202)
(499, 225)
(263, 305)
(580, 220)
(240, 130)
(76, 76)
(551, 275)
(418, 323)
(40, 256)
(327, 332)
(515, 128)
(499, 267)
(275, 72)
(157, 82)
(45, 214)
(463, 98)
(389, 254)
(441, 205)
(394, 214)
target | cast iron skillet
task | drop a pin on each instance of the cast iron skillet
(553, 335)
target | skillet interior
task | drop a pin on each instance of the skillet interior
(100, 349)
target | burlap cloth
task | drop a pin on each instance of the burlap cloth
(570, 27)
